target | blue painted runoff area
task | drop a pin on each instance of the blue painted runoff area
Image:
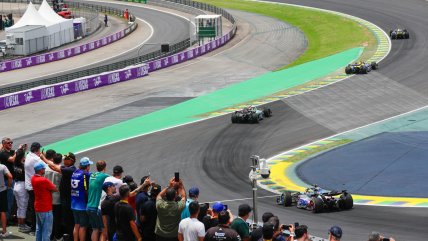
(386, 164)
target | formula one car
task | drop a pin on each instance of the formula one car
(250, 114)
(361, 68)
(399, 33)
(317, 200)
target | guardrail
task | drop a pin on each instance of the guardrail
(46, 92)
(63, 54)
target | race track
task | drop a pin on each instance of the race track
(214, 154)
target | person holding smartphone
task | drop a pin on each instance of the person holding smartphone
(169, 210)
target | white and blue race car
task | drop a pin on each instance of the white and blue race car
(317, 200)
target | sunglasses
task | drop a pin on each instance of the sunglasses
(10, 142)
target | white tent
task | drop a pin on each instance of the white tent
(30, 17)
(66, 25)
(33, 17)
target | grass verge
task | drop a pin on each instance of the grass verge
(326, 33)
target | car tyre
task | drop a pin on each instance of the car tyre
(288, 199)
(374, 65)
(348, 70)
(233, 118)
(267, 112)
(255, 118)
(318, 204)
(347, 202)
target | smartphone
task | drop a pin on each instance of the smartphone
(177, 176)
(285, 227)
(225, 207)
(385, 239)
(207, 205)
(296, 224)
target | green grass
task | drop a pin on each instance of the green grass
(326, 33)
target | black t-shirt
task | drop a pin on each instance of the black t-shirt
(107, 208)
(256, 234)
(65, 184)
(148, 210)
(4, 159)
(221, 233)
(124, 213)
(19, 171)
(209, 222)
(140, 199)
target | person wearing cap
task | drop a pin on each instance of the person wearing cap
(43, 189)
(222, 232)
(193, 196)
(258, 232)
(79, 196)
(210, 221)
(301, 233)
(169, 211)
(148, 214)
(116, 178)
(191, 229)
(33, 157)
(4, 175)
(96, 181)
(240, 224)
(107, 210)
(335, 233)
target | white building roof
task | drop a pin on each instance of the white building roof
(207, 16)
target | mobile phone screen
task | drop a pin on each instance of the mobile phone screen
(177, 177)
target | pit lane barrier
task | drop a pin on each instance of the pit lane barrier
(42, 93)
(44, 58)
(174, 48)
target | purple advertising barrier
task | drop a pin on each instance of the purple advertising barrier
(63, 54)
(73, 86)
(187, 54)
(96, 81)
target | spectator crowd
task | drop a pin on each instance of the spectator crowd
(55, 197)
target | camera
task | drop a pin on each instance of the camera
(264, 168)
(385, 239)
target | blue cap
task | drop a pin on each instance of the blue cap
(336, 231)
(107, 185)
(194, 192)
(218, 207)
(39, 166)
(85, 162)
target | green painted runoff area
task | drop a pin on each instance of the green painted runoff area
(187, 111)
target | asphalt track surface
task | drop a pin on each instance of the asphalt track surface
(214, 154)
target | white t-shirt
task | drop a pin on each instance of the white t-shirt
(30, 160)
(55, 178)
(3, 172)
(192, 229)
(116, 181)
